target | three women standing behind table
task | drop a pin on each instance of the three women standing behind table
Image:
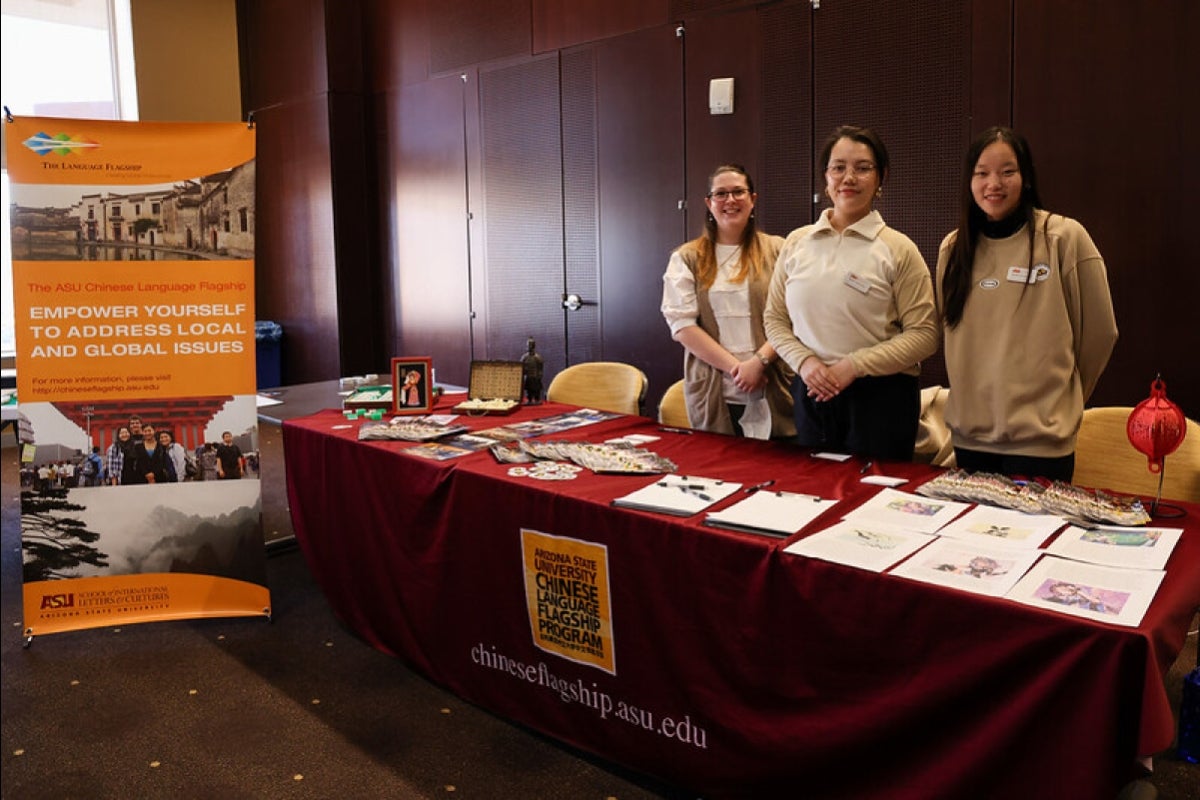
(714, 292)
(1027, 315)
(851, 310)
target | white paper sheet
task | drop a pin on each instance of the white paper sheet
(866, 546)
(883, 480)
(1106, 594)
(779, 513)
(968, 565)
(1003, 527)
(1136, 548)
(906, 511)
(680, 495)
(833, 456)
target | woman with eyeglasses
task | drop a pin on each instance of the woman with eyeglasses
(851, 310)
(714, 291)
(1027, 318)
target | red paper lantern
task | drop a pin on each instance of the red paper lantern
(1156, 426)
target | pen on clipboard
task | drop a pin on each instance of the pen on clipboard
(757, 486)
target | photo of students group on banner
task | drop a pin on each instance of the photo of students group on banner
(133, 269)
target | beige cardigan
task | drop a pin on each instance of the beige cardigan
(703, 383)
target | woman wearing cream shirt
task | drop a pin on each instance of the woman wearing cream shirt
(714, 292)
(851, 311)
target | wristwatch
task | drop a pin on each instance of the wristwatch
(766, 361)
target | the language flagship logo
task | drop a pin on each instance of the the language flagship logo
(60, 144)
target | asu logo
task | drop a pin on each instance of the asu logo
(58, 600)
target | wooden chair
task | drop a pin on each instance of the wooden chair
(672, 409)
(602, 385)
(1104, 459)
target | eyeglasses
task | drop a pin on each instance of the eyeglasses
(860, 170)
(720, 195)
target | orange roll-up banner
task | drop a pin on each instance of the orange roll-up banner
(133, 275)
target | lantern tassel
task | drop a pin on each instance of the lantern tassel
(1177, 512)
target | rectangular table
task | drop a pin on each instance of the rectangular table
(737, 670)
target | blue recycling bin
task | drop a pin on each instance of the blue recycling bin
(268, 337)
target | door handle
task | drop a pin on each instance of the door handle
(573, 302)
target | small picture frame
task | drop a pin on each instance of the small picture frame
(412, 385)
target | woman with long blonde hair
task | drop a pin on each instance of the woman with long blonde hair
(714, 292)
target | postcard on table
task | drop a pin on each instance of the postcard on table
(913, 512)
(1106, 594)
(436, 451)
(681, 495)
(1137, 548)
(1005, 527)
(969, 565)
(777, 513)
(864, 545)
(469, 441)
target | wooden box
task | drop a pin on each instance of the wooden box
(495, 388)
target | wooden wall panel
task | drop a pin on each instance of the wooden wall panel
(639, 78)
(361, 346)
(522, 202)
(991, 66)
(724, 46)
(906, 78)
(296, 267)
(423, 216)
(1114, 147)
(559, 24)
(462, 32)
(396, 43)
(927, 75)
(344, 47)
(283, 45)
(581, 207)
(785, 69)
(684, 9)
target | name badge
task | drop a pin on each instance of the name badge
(857, 282)
(1021, 274)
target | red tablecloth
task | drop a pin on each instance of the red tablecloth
(740, 670)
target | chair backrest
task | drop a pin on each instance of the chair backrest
(1105, 459)
(602, 385)
(672, 408)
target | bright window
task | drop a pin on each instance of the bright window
(61, 58)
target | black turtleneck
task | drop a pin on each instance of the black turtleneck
(1003, 228)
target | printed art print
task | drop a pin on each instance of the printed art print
(133, 247)
(968, 565)
(913, 512)
(1139, 548)
(863, 545)
(1106, 594)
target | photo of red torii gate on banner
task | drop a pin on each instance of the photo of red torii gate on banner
(185, 417)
